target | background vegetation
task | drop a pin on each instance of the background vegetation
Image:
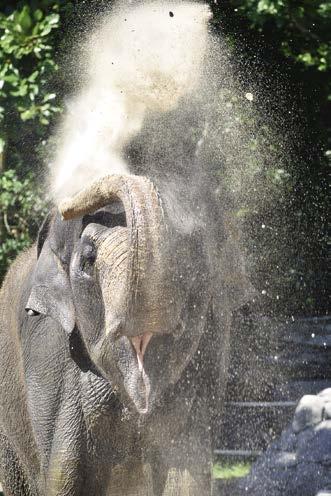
(284, 43)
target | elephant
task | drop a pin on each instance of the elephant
(114, 332)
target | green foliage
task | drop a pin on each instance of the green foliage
(28, 106)
(21, 210)
(230, 471)
(305, 27)
(27, 65)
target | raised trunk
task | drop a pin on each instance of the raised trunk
(148, 296)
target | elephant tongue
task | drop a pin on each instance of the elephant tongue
(140, 344)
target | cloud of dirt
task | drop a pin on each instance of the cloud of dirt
(161, 95)
(139, 60)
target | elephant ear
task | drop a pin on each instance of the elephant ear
(50, 292)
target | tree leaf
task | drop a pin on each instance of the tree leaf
(24, 19)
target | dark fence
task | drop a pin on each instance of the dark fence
(273, 364)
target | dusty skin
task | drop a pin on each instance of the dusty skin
(82, 400)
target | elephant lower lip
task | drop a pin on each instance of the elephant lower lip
(144, 388)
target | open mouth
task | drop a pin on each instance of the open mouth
(140, 344)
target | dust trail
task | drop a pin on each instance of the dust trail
(138, 61)
(161, 96)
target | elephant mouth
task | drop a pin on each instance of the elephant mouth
(143, 386)
(140, 344)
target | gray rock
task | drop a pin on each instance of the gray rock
(326, 393)
(327, 410)
(317, 448)
(309, 412)
(284, 460)
(304, 479)
(307, 480)
(288, 440)
(304, 439)
(299, 463)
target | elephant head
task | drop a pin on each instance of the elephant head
(115, 265)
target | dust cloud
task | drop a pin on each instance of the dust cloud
(139, 61)
(161, 95)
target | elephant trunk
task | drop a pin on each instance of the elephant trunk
(148, 296)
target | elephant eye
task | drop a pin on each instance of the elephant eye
(88, 258)
(32, 313)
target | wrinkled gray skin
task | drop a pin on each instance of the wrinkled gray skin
(77, 414)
